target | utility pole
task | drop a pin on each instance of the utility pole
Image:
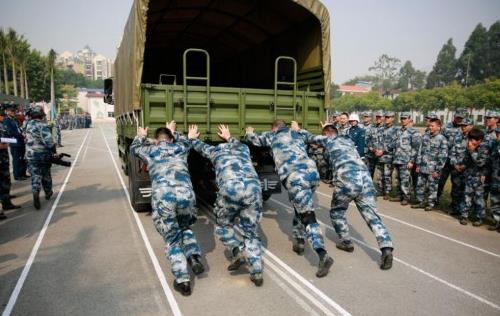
(467, 73)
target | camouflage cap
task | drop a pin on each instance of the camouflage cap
(379, 113)
(404, 115)
(431, 115)
(492, 113)
(389, 113)
(335, 113)
(366, 113)
(460, 112)
(467, 121)
(36, 110)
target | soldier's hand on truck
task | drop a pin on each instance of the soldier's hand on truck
(142, 132)
(294, 126)
(172, 125)
(193, 132)
(249, 130)
(224, 132)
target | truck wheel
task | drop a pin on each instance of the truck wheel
(133, 189)
(266, 196)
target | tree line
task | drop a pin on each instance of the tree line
(29, 74)
(471, 80)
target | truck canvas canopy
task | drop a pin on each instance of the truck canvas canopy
(243, 37)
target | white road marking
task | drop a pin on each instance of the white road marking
(300, 288)
(482, 300)
(159, 273)
(430, 232)
(87, 148)
(24, 274)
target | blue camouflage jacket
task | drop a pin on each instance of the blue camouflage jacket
(289, 151)
(406, 146)
(167, 162)
(432, 153)
(39, 141)
(231, 159)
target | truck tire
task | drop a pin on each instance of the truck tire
(136, 180)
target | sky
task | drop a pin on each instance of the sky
(361, 30)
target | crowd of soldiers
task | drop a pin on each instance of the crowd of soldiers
(238, 207)
(70, 121)
(422, 162)
(31, 142)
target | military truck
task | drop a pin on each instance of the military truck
(209, 62)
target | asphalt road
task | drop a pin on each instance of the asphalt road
(87, 253)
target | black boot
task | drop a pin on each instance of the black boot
(346, 246)
(325, 263)
(184, 288)
(9, 206)
(298, 245)
(2, 216)
(49, 195)
(196, 265)
(418, 205)
(36, 200)
(257, 279)
(237, 260)
(386, 258)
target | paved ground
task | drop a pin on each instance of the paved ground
(87, 253)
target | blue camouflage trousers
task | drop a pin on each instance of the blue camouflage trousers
(173, 212)
(404, 181)
(474, 197)
(495, 203)
(427, 185)
(357, 186)
(301, 186)
(241, 199)
(40, 176)
(384, 183)
(457, 190)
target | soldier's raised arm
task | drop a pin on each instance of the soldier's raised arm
(139, 147)
(201, 147)
(257, 139)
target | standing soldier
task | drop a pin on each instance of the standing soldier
(476, 157)
(351, 182)
(457, 158)
(343, 125)
(367, 120)
(431, 158)
(39, 146)
(491, 118)
(319, 156)
(495, 181)
(428, 117)
(4, 172)
(357, 134)
(389, 134)
(300, 177)
(450, 131)
(239, 197)
(58, 130)
(405, 155)
(17, 150)
(373, 143)
(173, 200)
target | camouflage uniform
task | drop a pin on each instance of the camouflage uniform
(299, 175)
(450, 131)
(5, 182)
(319, 155)
(39, 147)
(495, 179)
(173, 200)
(432, 156)
(385, 167)
(239, 196)
(406, 150)
(373, 139)
(475, 167)
(489, 140)
(58, 132)
(351, 182)
(457, 157)
(343, 129)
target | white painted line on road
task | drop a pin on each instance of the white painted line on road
(463, 291)
(159, 273)
(87, 148)
(24, 274)
(272, 257)
(430, 232)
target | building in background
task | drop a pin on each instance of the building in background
(352, 90)
(86, 62)
(92, 101)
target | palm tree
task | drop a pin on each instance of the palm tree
(3, 51)
(51, 65)
(22, 55)
(12, 42)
